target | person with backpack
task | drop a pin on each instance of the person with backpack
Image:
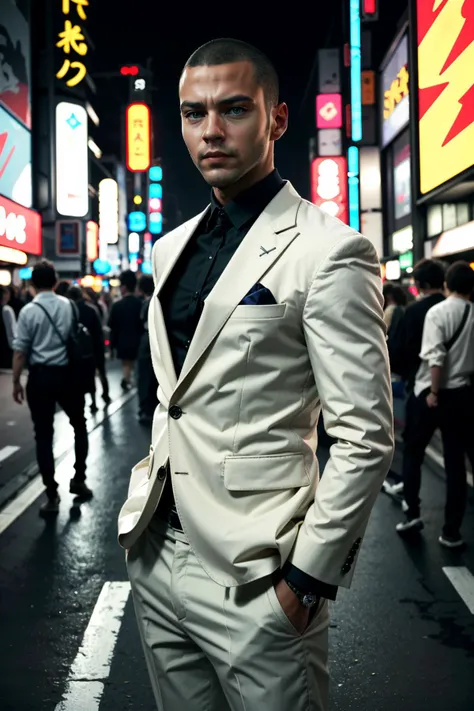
(53, 344)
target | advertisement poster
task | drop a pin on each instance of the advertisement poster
(15, 65)
(15, 160)
(445, 39)
(395, 90)
(15, 112)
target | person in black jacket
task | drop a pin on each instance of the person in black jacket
(126, 326)
(89, 318)
(404, 342)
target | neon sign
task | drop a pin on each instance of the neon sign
(356, 71)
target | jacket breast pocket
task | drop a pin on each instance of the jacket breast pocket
(272, 472)
(259, 311)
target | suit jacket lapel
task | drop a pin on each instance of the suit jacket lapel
(265, 242)
(163, 365)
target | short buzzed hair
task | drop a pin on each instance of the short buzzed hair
(228, 51)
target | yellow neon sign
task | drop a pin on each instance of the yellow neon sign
(398, 90)
(138, 138)
(72, 39)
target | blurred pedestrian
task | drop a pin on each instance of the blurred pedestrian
(442, 398)
(126, 326)
(89, 318)
(44, 327)
(147, 383)
(7, 328)
(395, 300)
(62, 287)
(15, 299)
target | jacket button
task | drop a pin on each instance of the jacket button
(161, 473)
(175, 412)
(345, 568)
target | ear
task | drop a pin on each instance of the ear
(279, 121)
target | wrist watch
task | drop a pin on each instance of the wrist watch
(307, 599)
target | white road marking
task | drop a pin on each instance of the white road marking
(35, 488)
(463, 581)
(6, 452)
(91, 666)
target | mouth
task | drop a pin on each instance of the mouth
(214, 157)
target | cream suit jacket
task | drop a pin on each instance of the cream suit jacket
(242, 451)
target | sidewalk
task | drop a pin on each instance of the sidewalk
(17, 443)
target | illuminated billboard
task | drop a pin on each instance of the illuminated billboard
(20, 228)
(329, 186)
(138, 137)
(108, 211)
(395, 88)
(72, 160)
(328, 111)
(445, 39)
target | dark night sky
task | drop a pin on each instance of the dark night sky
(170, 33)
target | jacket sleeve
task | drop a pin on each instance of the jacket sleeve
(345, 336)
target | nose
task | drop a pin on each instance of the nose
(213, 128)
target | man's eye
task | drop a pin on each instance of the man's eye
(236, 111)
(194, 115)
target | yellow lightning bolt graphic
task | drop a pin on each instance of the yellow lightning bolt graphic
(439, 163)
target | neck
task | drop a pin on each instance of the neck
(459, 296)
(254, 176)
(44, 291)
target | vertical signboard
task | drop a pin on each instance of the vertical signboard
(72, 160)
(15, 111)
(71, 42)
(329, 71)
(108, 212)
(138, 137)
(328, 111)
(445, 39)
(329, 185)
(395, 87)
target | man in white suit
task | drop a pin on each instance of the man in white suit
(265, 310)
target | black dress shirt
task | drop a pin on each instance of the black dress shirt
(190, 282)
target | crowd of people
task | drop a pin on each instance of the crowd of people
(431, 349)
(59, 334)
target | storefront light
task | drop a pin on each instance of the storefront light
(5, 277)
(13, 256)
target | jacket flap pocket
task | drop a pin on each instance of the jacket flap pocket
(252, 311)
(276, 471)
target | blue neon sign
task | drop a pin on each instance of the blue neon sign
(155, 191)
(353, 185)
(137, 221)
(156, 173)
(356, 71)
(25, 273)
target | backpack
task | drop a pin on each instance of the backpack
(79, 348)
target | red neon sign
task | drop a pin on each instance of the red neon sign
(329, 185)
(370, 7)
(328, 111)
(20, 228)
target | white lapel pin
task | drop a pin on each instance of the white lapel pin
(265, 251)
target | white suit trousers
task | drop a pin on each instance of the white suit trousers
(211, 648)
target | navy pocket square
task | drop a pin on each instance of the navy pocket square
(257, 296)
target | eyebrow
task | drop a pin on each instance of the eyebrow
(223, 102)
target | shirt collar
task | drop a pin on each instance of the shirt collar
(247, 206)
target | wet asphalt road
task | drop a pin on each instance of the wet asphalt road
(402, 638)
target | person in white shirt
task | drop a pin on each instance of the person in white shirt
(444, 399)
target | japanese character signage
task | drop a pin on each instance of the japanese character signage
(138, 138)
(396, 107)
(72, 43)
